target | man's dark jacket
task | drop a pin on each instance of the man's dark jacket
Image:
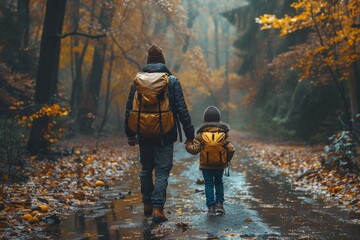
(178, 107)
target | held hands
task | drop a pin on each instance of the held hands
(132, 141)
(188, 143)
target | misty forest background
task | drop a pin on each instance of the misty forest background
(275, 68)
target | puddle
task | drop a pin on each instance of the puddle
(259, 205)
(294, 213)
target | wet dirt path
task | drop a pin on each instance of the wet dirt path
(259, 205)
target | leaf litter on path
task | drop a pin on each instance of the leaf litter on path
(294, 160)
(56, 188)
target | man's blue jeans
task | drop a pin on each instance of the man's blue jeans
(213, 178)
(158, 158)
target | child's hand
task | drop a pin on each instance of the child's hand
(188, 143)
(192, 146)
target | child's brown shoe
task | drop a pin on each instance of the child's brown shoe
(219, 208)
(211, 211)
(158, 215)
(148, 209)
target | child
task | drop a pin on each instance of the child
(216, 149)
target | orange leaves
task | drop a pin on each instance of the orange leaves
(53, 134)
(33, 220)
(199, 76)
(79, 195)
(56, 187)
(287, 24)
(99, 184)
(47, 110)
(332, 45)
(43, 208)
(295, 161)
(334, 189)
(27, 216)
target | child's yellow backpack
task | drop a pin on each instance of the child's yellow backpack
(213, 152)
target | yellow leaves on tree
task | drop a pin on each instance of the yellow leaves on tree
(53, 134)
(47, 110)
(199, 76)
(332, 44)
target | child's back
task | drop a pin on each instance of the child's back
(212, 140)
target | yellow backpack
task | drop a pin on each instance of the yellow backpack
(213, 151)
(151, 115)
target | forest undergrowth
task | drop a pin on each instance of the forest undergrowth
(304, 167)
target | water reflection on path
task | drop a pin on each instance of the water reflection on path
(293, 212)
(259, 205)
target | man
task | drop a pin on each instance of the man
(156, 153)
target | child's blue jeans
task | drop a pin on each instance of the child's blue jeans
(213, 178)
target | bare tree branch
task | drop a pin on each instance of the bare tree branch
(81, 34)
(124, 53)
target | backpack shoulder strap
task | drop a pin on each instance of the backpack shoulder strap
(139, 112)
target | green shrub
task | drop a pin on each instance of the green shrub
(341, 154)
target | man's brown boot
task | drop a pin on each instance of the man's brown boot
(158, 215)
(148, 209)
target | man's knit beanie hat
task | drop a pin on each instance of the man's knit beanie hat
(212, 114)
(155, 55)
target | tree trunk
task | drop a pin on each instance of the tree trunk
(107, 98)
(192, 14)
(75, 64)
(206, 46)
(89, 110)
(119, 125)
(354, 90)
(216, 41)
(226, 88)
(77, 85)
(47, 73)
(23, 25)
(96, 75)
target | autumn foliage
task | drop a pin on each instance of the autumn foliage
(332, 46)
(331, 51)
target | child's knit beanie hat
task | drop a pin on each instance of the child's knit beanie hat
(212, 114)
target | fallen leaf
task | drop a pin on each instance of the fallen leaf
(182, 225)
(200, 181)
(232, 235)
(99, 184)
(27, 216)
(249, 219)
(33, 220)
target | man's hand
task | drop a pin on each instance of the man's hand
(188, 144)
(132, 141)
